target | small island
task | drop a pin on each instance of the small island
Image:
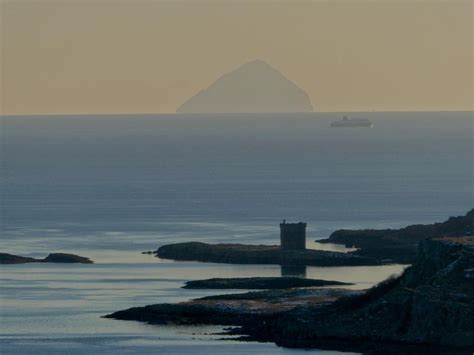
(51, 258)
(259, 254)
(292, 251)
(259, 283)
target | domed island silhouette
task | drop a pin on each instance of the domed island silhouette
(255, 86)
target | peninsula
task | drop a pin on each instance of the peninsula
(291, 252)
(400, 245)
(259, 254)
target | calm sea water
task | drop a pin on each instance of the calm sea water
(109, 187)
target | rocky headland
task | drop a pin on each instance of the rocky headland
(232, 309)
(430, 306)
(431, 303)
(259, 254)
(400, 245)
(259, 283)
(51, 258)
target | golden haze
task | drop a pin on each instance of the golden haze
(150, 56)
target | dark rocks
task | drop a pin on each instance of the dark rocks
(15, 259)
(432, 303)
(259, 283)
(234, 309)
(400, 245)
(259, 254)
(428, 309)
(66, 258)
(51, 258)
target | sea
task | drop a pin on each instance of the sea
(111, 186)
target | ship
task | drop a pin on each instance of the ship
(352, 122)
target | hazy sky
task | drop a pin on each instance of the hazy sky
(150, 56)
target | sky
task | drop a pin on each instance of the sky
(104, 56)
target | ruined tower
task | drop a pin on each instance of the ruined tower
(293, 236)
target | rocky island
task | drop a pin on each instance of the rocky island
(51, 258)
(400, 245)
(291, 252)
(259, 254)
(253, 87)
(259, 283)
(430, 305)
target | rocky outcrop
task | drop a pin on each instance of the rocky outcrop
(259, 283)
(428, 309)
(400, 245)
(258, 254)
(66, 258)
(15, 259)
(253, 87)
(233, 309)
(51, 258)
(432, 303)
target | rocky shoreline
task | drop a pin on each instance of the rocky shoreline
(51, 258)
(431, 305)
(259, 254)
(400, 245)
(231, 309)
(374, 247)
(260, 283)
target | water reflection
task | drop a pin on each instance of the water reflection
(293, 270)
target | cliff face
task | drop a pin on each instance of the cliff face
(253, 87)
(432, 303)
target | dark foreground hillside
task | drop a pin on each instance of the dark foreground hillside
(431, 304)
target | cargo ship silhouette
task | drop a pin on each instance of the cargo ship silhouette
(352, 122)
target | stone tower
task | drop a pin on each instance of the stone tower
(293, 236)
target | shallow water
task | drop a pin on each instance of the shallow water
(111, 187)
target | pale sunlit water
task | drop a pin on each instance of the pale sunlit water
(111, 187)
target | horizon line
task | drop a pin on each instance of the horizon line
(221, 113)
